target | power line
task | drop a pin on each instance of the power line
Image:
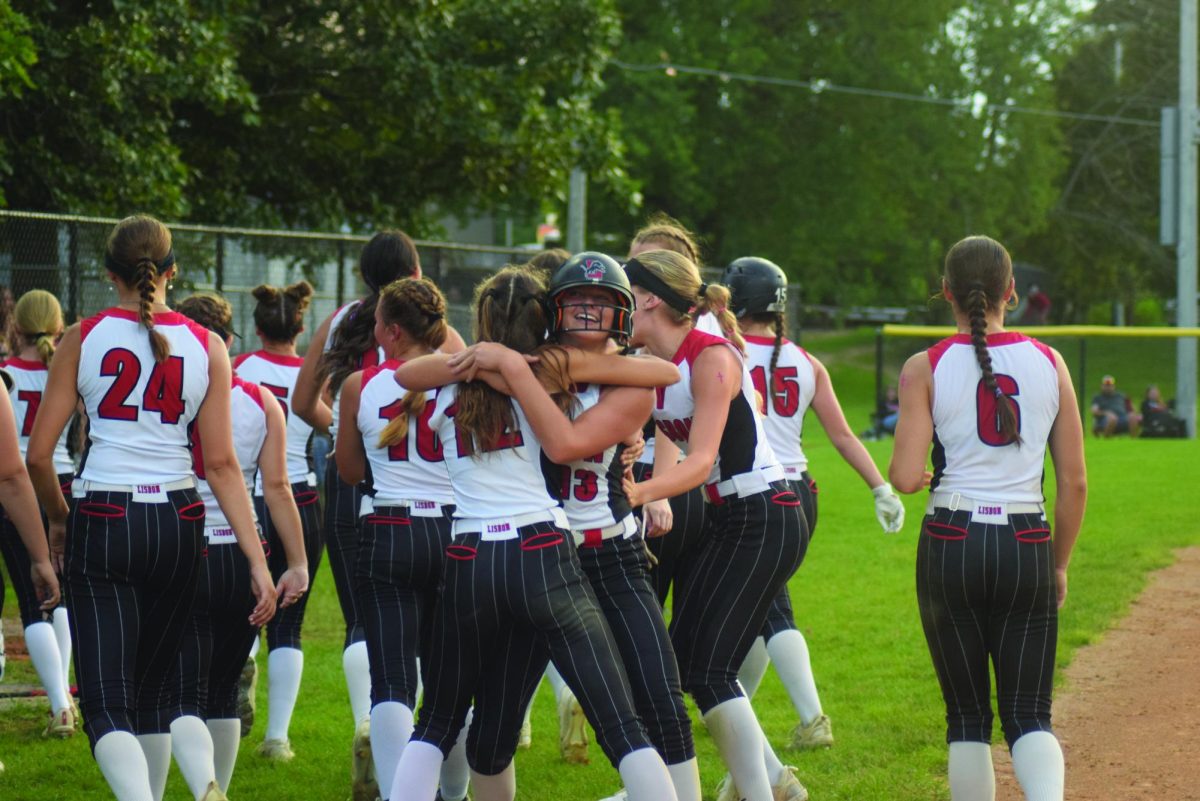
(819, 86)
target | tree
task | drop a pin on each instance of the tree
(310, 113)
(17, 55)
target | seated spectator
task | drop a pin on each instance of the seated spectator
(1112, 412)
(1158, 416)
(885, 416)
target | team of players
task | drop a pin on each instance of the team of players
(497, 531)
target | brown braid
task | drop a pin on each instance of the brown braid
(144, 273)
(976, 308)
(780, 325)
(419, 308)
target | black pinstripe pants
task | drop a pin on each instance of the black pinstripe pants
(987, 592)
(677, 549)
(131, 576)
(342, 502)
(399, 577)
(616, 569)
(16, 558)
(780, 616)
(283, 630)
(506, 607)
(751, 548)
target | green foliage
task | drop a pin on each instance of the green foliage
(17, 55)
(311, 113)
(856, 197)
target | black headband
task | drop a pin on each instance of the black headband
(114, 266)
(640, 275)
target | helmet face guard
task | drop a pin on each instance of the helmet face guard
(591, 269)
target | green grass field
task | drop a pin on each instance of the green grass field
(854, 599)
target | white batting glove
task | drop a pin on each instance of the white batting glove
(889, 510)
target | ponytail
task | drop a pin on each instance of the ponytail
(976, 306)
(144, 273)
(411, 405)
(780, 325)
(37, 320)
(715, 299)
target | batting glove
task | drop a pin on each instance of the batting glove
(889, 511)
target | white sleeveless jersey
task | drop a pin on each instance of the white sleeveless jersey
(591, 490)
(138, 410)
(743, 447)
(506, 482)
(414, 468)
(707, 323)
(969, 454)
(249, 434)
(29, 383)
(368, 359)
(783, 405)
(277, 374)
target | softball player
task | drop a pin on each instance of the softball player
(219, 633)
(136, 529)
(990, 578)
(278, 320)
(38, 324)
(406, 528)
(513, 585)
(788, 381)
(755, 534)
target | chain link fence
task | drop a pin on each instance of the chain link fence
(64, 254)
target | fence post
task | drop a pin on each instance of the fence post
(73, 272)
(878, 382)
(341, 273)
(219, 276)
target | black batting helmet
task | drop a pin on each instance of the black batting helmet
(756, 286)
(592, 269)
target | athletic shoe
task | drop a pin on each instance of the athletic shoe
(572, 730)
(247, 685)
(75, 711)
(276, 750)
(213, 793)
(726, 791)
(621, 795)
(526, 738)
(61, 724)
(788, 788)
(817, 734)
(362, 771)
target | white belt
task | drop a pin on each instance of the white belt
(982, 511)
(793, 472)
(743, 484)
(505, 528)
(415, 508)
(142, 493)
(592, 537)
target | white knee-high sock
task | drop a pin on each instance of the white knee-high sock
(789, 652)
(456, 773)
(254, 648)
(557, 683)
(645, 776)
(391, 726)
(499, 787)
(358, 679)
(417, 772)
(685, 777)
(1038, 762)
(192, 746)
(156, 749)
(47, 661)
(62, 633)
(972, 777)
(123, 764)
(771, 762)
(740, 741)
(750, 675)
(285, 666)
(226, 736)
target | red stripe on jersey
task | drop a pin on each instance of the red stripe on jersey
(251, 389)
(24, 364)
(694, 343)
(273, 358)
(754, 339)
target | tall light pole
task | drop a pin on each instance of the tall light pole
(1185, 355)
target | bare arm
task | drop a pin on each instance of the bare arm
(1070, 475)
(20, 503)
(58, 404)
(350, 453)
(914, 429)
(277, 492)
(425, 373)
(306, 400)
(716, 380)
(833, 420)
(614, 369)
(657, 516)
(224, 476)
(454, 341)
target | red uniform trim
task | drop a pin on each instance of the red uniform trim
(160, 318)
(993, 340)
(754, 339)
(251, 389)
(694, 343)
(24, 364)
(273, 358)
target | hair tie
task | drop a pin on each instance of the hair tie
(999, 393)
(703, 289)
(434, 316)
(41, 334)
(718, 310)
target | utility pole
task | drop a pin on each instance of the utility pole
(576, 210)
(1185, 359)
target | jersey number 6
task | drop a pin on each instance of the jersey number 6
(988, 412)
